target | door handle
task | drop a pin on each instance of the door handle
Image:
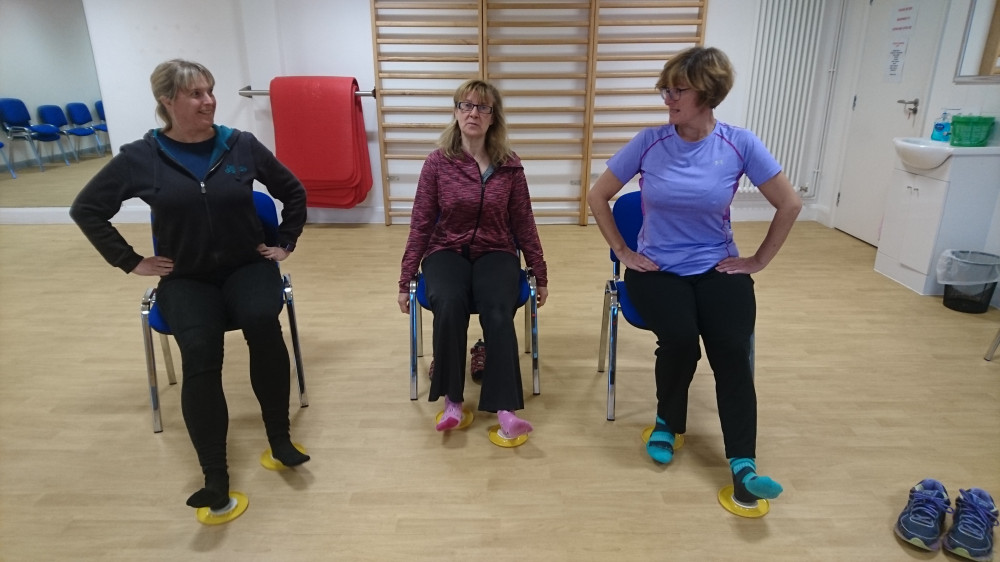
(910, 106)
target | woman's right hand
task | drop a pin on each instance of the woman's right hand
(155, 265)
(404, 302)
(636, 261)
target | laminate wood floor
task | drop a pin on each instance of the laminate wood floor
(864, 388)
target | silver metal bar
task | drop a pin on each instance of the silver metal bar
(993, 348)
(248, 93)
(147, 340)
(416, 341)
(300, 370)
(532, 311)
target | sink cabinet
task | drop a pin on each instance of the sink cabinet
(951, 206)
(911, 220)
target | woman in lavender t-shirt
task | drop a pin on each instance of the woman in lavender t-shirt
(687, 278)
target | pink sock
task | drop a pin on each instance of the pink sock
(511, 425)
(451, 417)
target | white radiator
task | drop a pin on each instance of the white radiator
(784, 74)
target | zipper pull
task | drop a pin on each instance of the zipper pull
(202, 187)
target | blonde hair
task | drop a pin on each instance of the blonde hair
(706, 70)
(173, 75)
(497, 145)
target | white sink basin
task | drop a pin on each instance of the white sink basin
(920, 153)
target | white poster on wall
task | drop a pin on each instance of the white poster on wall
(902, 20)
(895, 60)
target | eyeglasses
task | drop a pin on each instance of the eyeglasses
(467, 106)
(673, 94)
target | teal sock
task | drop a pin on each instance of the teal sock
(745, 471)
(661, 442)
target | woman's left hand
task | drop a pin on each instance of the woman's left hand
(543, 294)
(272, 253)
(740, 265)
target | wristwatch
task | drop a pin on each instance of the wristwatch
(289, 247)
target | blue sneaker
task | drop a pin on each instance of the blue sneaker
(971, 533)
(922, 521)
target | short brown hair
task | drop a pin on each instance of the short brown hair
(707, 70)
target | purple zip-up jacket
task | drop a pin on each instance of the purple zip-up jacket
(447, 204)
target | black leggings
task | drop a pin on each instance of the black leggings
(721, 309)
(489, 285)
(199, 312)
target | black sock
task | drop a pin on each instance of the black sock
(287, 454)
(215, 494)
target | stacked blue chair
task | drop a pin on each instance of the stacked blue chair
(628, 217)
(103, 125)
(7, 162)
(153, 321)
(16, 122)
(55, 116)
(527, 298)
(81, 118)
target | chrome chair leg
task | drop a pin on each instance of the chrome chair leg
(416, 341)
(147, 340)
(63, 151)
(991, 351)
(34, 149)
(527, 325)
(6, 161)
(531, 337)
(601, 354)
(73, 148)
(612, 346)
(293, 326)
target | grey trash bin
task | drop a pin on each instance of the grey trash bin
(969, 279)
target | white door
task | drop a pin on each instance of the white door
(877, 117)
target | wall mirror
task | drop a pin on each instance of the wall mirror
(979, 59)
(46, 58)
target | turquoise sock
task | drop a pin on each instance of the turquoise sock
(745, 470)
(661, 442)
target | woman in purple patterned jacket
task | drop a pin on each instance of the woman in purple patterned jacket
(471, 214)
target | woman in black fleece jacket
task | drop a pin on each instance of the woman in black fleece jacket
(215, 270)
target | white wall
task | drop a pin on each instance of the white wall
(248, 42)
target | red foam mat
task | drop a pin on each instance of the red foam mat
(319, 133)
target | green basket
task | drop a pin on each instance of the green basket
(970, 130)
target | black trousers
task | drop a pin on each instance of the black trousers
(489, 286)
(199, 311)
(720, 308)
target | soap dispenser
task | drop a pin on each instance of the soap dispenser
(942, 128)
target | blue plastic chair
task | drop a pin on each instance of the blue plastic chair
(16, 122)
(527, 299)
(103, 125)
(628, 218)
(7, 162)
(55, 116)
(81, 118)
(152, 320)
